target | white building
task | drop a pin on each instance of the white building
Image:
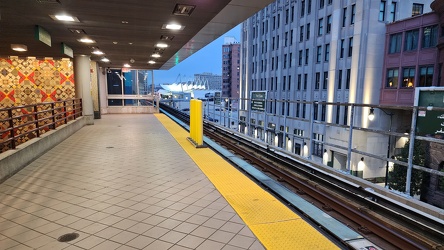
(319, 50)
(210, 80)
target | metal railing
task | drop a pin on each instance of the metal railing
(19, 124)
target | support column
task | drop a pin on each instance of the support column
(82, 77)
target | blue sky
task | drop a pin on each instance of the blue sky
(207, 59)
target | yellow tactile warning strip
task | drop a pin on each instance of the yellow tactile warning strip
(274, 224)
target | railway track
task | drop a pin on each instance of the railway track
(388, 224)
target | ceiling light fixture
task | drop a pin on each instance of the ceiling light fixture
(183, 9)
(162, 45)
(173, 26)
(155, 55)
(86, 40)
(98, 52)
(151, 62)
(64, 18)
(19, 47)
(126, 65)
(104, 59)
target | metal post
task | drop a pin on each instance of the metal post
(411, 147)
(388, 150)
(11, 126)
(350, 138)
(36, 120)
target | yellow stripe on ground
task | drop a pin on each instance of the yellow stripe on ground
(274, 224)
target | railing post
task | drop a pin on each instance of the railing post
(64, 112)
(53, 115)
(11, 125)
(74, 108)
(36, 120)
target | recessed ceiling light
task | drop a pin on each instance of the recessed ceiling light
(173, 26)
(183, 10)
(19, 47)
(77, 31)
(151, 62)
(64, 18)
(166, 37)
(104, 59)
(155, 55)
(126, 65)
(115, 42)
(162, 45)
(125, 22)
(130, 43)
(86, 40)
(98, 52)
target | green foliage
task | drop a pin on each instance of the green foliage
(398, 177)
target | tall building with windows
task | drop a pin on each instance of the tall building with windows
(230, 68)
(298, 52)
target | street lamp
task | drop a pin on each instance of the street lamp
(371, 117)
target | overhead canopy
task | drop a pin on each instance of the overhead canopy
(127, 31)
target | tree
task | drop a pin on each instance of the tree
(398, 177)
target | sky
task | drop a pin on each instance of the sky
(207, 59)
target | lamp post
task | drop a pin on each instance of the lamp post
(371, 116)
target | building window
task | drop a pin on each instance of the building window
(321, 4)
(274, 22)
(323, 112)
(327, 53)
(304, 109)
(347, 79)
(285, 61)
(417, 9)
(340, 79)
(430, 36)
(286, 16)
(298, 109)
(338, 113)
(392, 78)
(329, 2)
(309, 7)
(302, 8)
(393, 12)
(345, 115)
(344, 16)
(318, 80)
(299, 82)
(301, 34)
(307, 55)
(325, 82)
(411, 40)
(300, 58)
(320, 26)
(341, 53)
(308, 31)
(277, 42)
(408, 77)
(277, 62)
(395, 43)
(290, 60)
(285, 39)
(291, 37)
(318, 54)
(381, 16)
(425, 76)
(350, 46)
(284, 82)
(278, 20)
(305, 81)
(353, 12)
(292, 14)
(315, 111)
(328, 24)
(318, 146)
(289, 82)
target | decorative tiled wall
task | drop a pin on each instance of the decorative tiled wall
(28, 81)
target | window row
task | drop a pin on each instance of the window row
(409, 77)
(427, 35)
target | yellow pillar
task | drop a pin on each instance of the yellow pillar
(198, 123)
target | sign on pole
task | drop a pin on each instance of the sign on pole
(430, 122)
(258, 99)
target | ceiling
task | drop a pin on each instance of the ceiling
(127, 31)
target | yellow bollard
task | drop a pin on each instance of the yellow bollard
(199, 123)
(192, 117)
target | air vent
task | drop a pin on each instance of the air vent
(183, 9)
(77, 31)
(48, 1)
(166, 37)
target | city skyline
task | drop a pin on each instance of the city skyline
(207, 59)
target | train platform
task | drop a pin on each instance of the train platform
(136, 182)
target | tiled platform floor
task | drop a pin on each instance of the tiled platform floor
(123, 183)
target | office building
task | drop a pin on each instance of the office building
(230, 68)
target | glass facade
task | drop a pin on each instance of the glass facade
(128, 88)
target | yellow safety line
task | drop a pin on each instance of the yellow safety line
(274, 224)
